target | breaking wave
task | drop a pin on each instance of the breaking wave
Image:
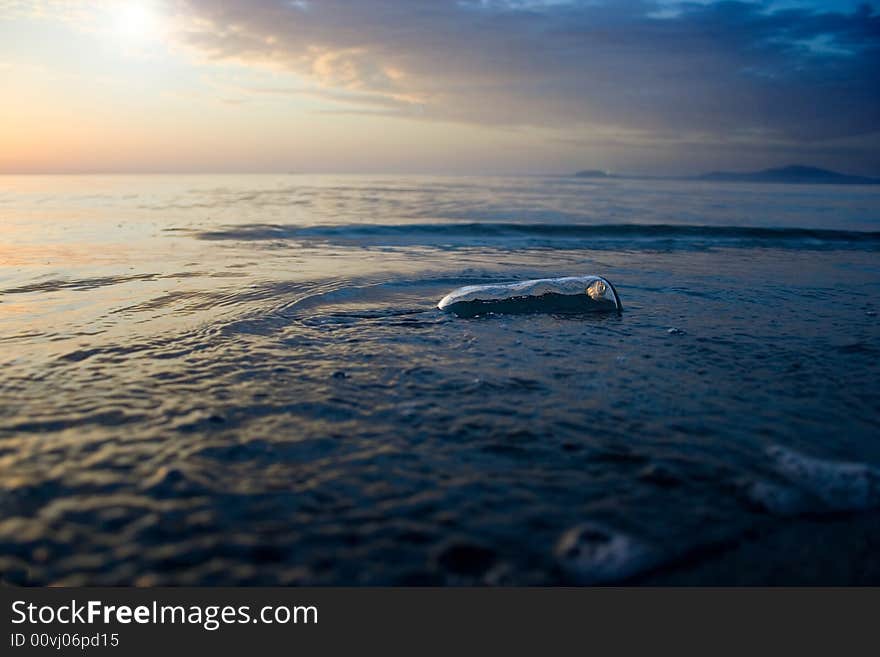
(602, 236)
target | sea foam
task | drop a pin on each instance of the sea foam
(839, 486)
(594, 554)
(813, 485)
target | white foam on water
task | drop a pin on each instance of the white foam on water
(593, 554)
(778, 500)
(837, 485)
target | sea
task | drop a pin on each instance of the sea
(245, 380)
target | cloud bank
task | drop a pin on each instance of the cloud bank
(741, 70)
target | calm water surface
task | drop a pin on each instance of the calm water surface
(245, 380)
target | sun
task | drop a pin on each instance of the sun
(137, 21)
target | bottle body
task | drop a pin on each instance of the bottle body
(568, 295)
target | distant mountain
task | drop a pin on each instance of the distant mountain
(592, 173)
(791, 174)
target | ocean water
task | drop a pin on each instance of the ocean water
(246, 380)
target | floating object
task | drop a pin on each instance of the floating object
(570, 295)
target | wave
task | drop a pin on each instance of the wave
(552, 235)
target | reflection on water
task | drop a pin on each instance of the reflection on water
(246, 379)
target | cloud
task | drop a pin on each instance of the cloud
(74, 11)
(725, 68)
(640, 77)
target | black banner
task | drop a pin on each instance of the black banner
(411, 621)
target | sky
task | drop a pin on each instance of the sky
(438, 86)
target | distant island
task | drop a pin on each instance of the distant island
(592, 173)
(792, 174)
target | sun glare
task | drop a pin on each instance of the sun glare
(137, 22)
